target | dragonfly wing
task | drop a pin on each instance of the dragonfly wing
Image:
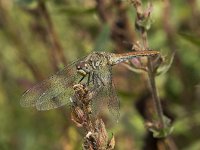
(106, 92)
(54, 102)
(45, 93)
(113, 101)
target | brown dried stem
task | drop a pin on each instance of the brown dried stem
(96, 136)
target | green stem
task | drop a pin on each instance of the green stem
(153, 88)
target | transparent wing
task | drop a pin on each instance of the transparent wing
(106, 92)
(113, 102)
(55, 102)
(51, 92)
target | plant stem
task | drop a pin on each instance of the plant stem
(151, 72)
(154, 92)
(153, 88)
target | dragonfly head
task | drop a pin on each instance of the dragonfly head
(83, 68)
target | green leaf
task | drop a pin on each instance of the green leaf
(134, 69)
(162, 132)
(165, 65)
(191, 38)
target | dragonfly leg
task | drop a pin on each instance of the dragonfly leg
(100, 80)
(95, 81)
(81, 79)
(88, 81)
(93, 78)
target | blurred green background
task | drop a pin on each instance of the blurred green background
(39, 37)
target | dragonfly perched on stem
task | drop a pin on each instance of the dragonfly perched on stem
(93, 70)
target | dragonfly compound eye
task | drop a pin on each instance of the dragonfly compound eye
(83, 68)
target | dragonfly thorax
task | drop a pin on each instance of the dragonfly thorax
(91, 63)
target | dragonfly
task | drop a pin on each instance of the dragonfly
(94, 70)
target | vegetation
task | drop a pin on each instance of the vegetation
(159, 96)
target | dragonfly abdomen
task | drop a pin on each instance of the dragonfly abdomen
(118, 58)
